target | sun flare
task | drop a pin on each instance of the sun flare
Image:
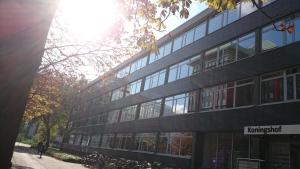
(89, 19)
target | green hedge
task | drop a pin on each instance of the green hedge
(56, 153)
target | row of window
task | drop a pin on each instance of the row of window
(235, 50)
(214, 23)
(271, 38)
(280, 86)
(138, 64)
(232, 51)
(174, 143)
(219, 150)
(224, 18)
(229, 52)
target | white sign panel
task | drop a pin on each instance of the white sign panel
(271, 130)
(247, 164)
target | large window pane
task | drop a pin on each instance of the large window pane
(196, 64)
(95, 141)
(200, 31)
(247, 7)
(184, 69)
(298, 86)
(167, 48)
(123, 72)
(173, 73)
(297, 28)
(71, 139)
(224, 151)
(221, 150)
(117, 94)
(192, 103)
(209, 151)
(180, 107)
(150, 109)
(102, 118)
(240, 148)
(145, 142)
(177, 43)
(215, 23)
(123, 141)
(164, 50)
(180, 70)
(105, 98)
(180, 104)
(128, 113)
(107, 141)
(232, 15)
(161, 78)
(133, 88)
(138, 64)
(246, 46)
(155, 79)
(290, 88)
(292, 83)
(113, 116)
(222, 96)
(272, 90)
(227, 53)
(189, 37)
(175, 105)
(168, 108)
(85, 140)
(210, 59)
(271, 38)
(179, 144)
(207, 98)
(154, 56)
(244, 93)
(77, 140)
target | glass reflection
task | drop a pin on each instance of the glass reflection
(176, 143)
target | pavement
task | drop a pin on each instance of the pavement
(26, 158)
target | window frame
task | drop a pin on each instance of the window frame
(168, 150)
(152, 111)
(140, 137)
(153, 76)
(216, 88)
(137, 85)
(118, 96)
(126, 113)
(284, 77)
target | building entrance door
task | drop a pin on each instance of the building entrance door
(279, 156)
(284, 152)
(295, 156)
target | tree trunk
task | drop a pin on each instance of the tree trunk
(23, 31)
(46, 120)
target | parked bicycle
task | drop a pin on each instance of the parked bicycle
(99, 161)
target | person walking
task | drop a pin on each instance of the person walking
(42, 148)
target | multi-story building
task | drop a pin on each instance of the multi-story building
(223, 92)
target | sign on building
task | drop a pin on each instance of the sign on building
(272, 129)
(243, 163)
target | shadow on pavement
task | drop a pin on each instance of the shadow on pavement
(22, 149)
(20, 167)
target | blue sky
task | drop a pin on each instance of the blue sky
(174, 20)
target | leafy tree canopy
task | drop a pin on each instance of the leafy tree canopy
(144, 17)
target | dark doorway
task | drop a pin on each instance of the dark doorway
(295, 156)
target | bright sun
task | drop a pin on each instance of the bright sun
(88, 19)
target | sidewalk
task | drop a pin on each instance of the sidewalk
(26, 158)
